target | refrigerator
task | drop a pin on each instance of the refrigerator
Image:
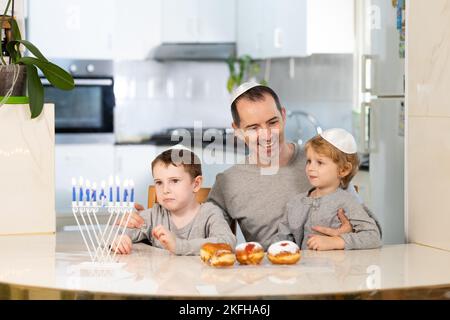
(382, 113)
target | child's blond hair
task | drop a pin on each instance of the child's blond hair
(343, 160)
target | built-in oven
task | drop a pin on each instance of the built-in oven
(89, 107)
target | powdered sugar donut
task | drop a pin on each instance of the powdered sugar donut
(283, 252)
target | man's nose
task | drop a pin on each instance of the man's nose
(264, 133)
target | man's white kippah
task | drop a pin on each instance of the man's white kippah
(341, 139)
(243, 88)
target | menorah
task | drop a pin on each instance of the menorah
(100, 241)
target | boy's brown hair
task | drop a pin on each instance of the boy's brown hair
(341, 159)
(187, 159)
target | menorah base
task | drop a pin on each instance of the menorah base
(101, 265)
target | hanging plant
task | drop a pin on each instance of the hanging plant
(241, 70)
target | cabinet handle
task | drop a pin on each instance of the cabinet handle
(278, 38)
(364, 137)
(365, 59)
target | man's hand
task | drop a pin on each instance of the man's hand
(166, 237)
(122, 246)
(345, 227)
(136, 221)
(318, 242)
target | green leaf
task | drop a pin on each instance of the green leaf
(54, 74)
(14, 52)
(230, 84)
(32, 48)
(15, 30)
(35, 91)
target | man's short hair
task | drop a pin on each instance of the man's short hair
(254, 94)
(180, 157)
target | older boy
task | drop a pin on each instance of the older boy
(178, 222)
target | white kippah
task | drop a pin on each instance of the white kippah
(341, 139)
(243, 88)
(182, 147)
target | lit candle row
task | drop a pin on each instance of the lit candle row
(88, 192)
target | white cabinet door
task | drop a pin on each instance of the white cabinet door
(331, 26)
(250, 28)
(285, 28)
(94, 162)
(179, 21)
(216, 21)
(80, 29)
(294, 28)
(137, 28)
(198, 21)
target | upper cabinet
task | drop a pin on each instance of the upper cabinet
(72, 29)
(198, 21)
(294, 28)
(100, 29)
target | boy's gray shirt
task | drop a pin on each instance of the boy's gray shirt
(208, 225)
(303, 212)
(256, 201)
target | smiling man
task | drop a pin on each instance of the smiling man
(254, 194)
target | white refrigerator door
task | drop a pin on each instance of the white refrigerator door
(387, 167)
(387, 69)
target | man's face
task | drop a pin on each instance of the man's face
(261, 125)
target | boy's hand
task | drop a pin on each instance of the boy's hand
(318, 242)
(164, 236)
(345, 227)
(122, 247)
(136, 221)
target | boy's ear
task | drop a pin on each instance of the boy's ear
(197, 183)
(346, 170)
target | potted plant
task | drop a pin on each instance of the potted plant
(18, 73)
(27, 144)
(242, 69)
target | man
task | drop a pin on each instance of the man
(255, 193)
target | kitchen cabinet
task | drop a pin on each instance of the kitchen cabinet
(294, 28)
(101, 29)
(81, 29)
(91, 161)
(198, 21)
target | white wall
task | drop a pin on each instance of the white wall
(428, 103)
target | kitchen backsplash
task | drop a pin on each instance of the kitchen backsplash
(152, 96)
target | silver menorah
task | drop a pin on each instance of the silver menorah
(101, 241)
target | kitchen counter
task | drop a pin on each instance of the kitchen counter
(48, 266)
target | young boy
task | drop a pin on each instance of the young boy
(178, 223)
(331, 163)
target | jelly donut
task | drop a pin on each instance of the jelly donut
(249, 253)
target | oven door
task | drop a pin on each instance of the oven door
(88, 108)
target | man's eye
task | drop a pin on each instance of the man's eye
(158, 183)
(273, 122)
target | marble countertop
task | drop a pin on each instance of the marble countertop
(48, 266)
